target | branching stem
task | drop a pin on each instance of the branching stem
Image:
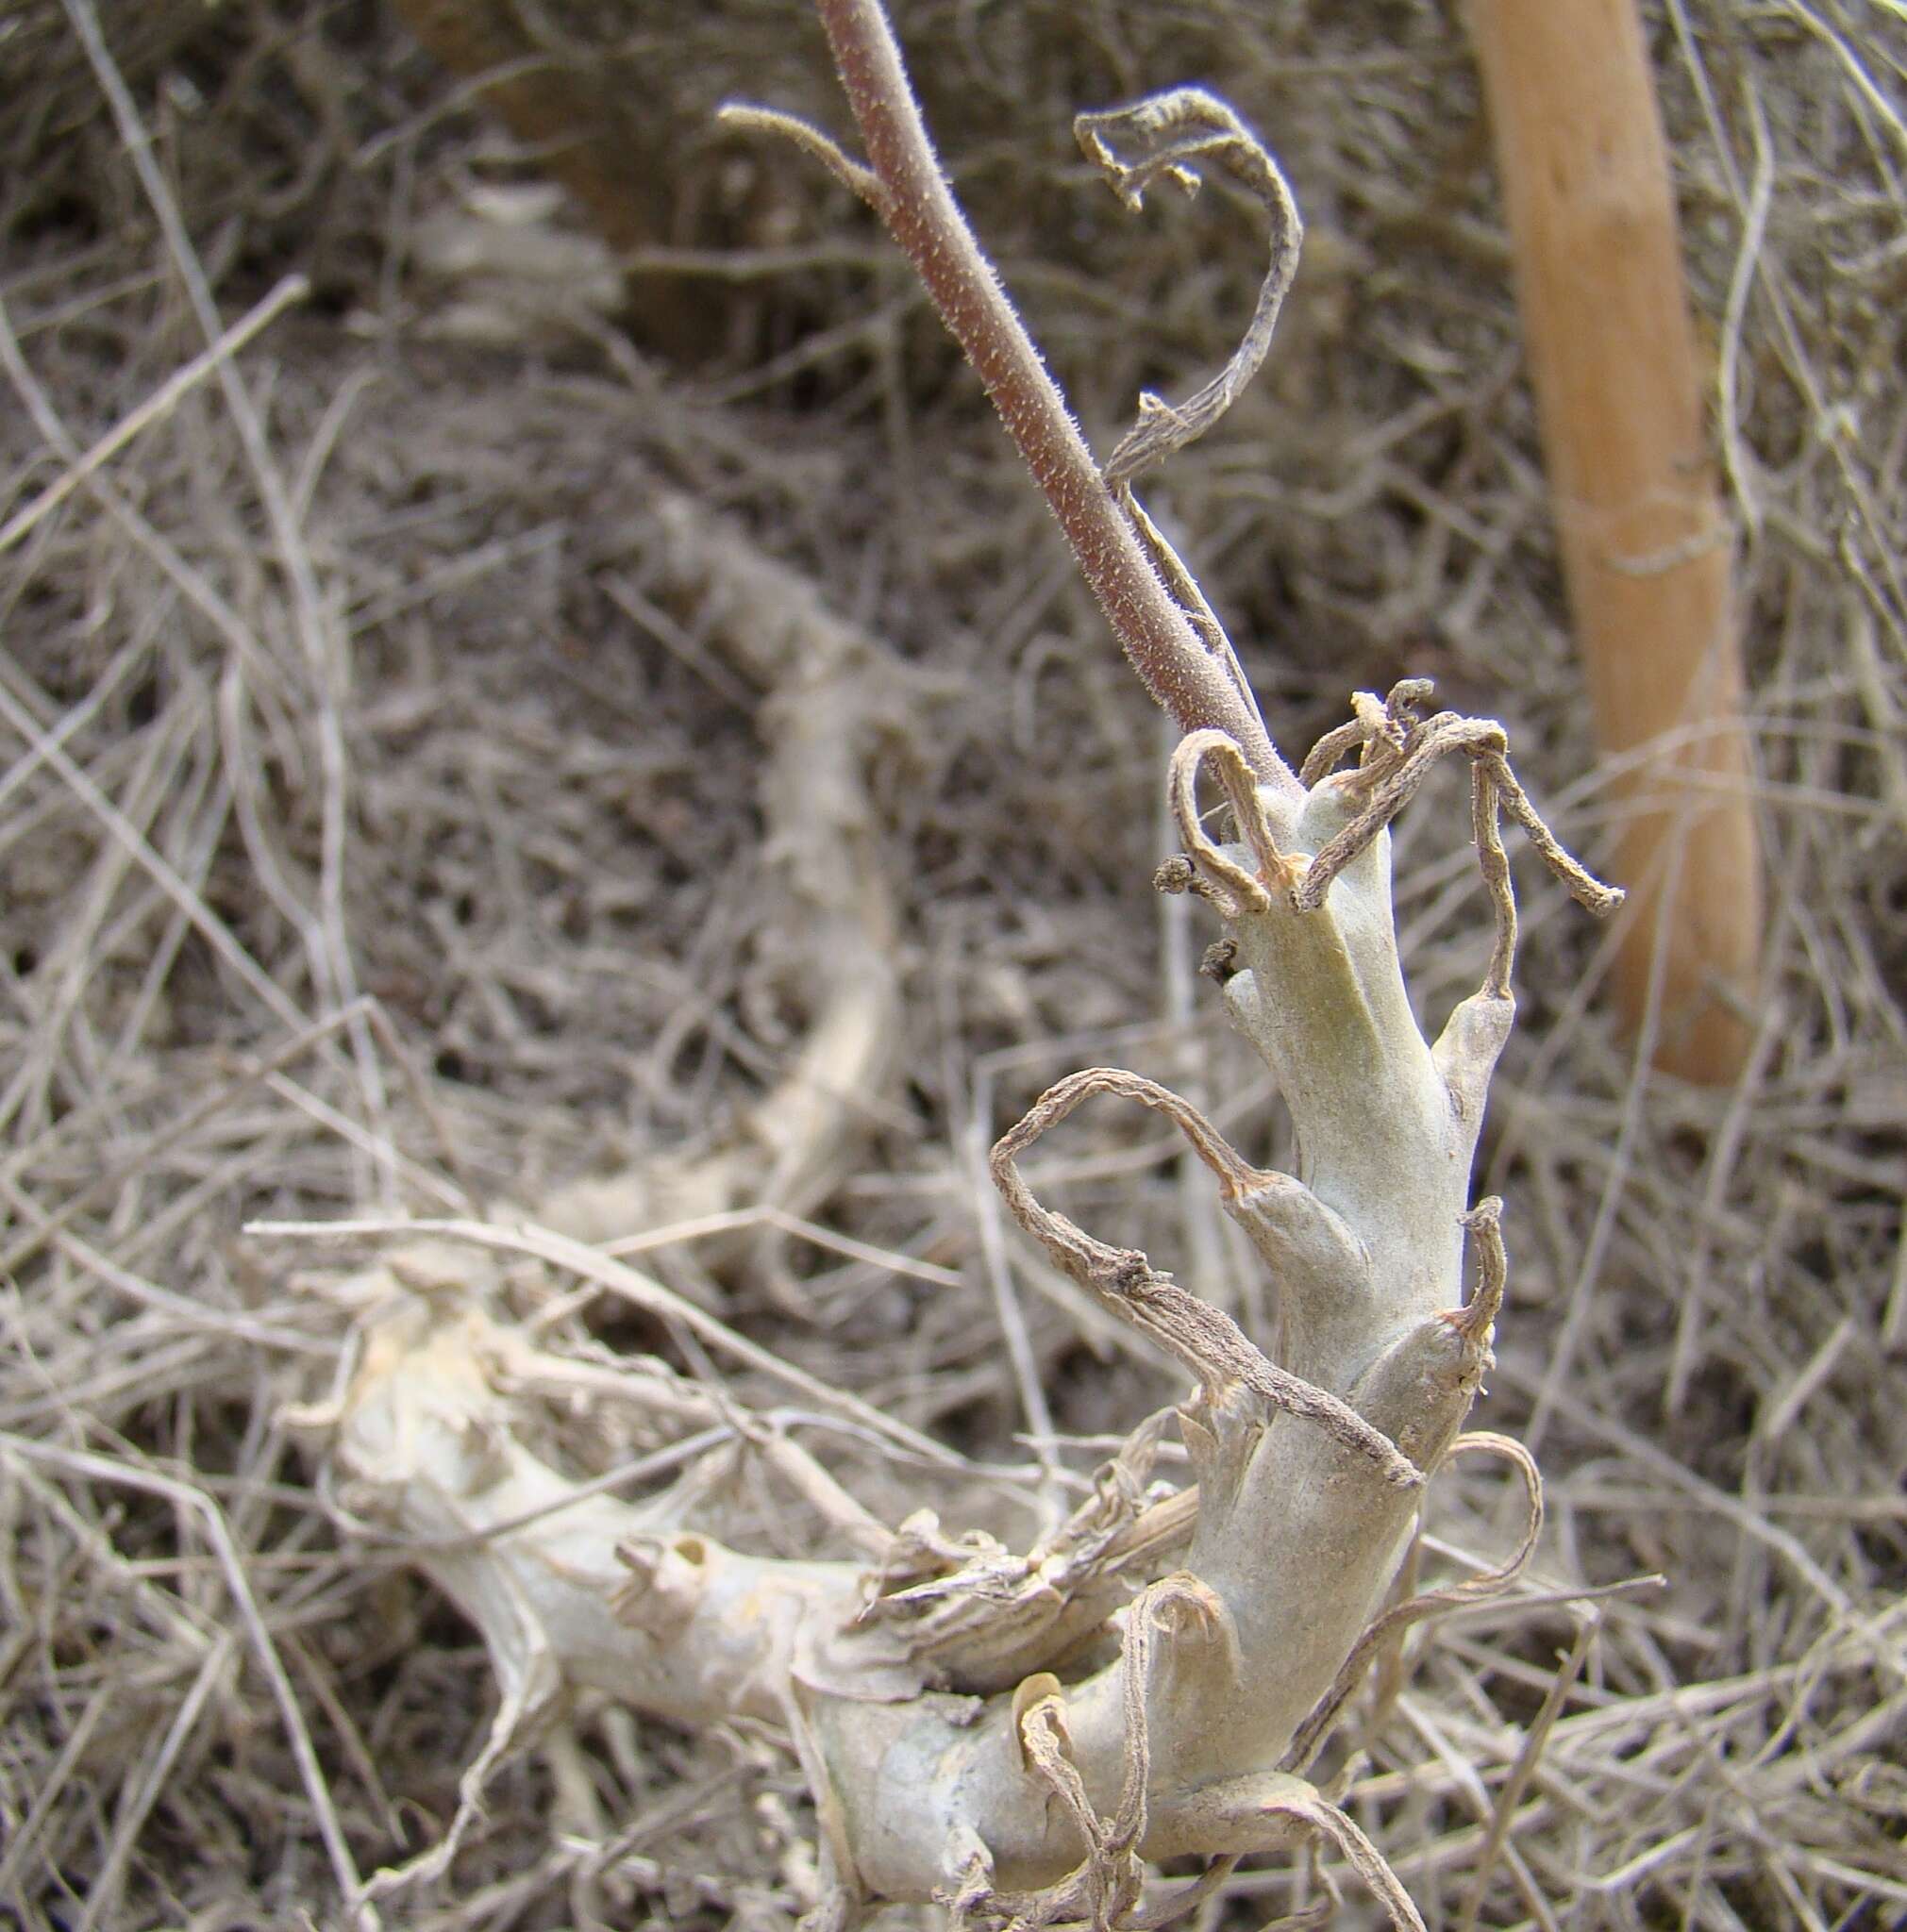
(947, 1756)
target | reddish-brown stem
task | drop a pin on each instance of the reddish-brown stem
(919, 210)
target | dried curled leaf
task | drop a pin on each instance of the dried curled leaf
(1397, 749)
(1167, 134)
(1206, 1339)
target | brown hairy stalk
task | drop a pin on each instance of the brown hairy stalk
(904, 183)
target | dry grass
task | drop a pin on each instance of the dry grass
(378, 831)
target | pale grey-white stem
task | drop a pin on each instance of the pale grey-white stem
(1298, 1527)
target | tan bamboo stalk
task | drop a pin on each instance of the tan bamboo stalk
(1645, 555)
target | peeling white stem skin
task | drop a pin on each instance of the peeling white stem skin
(427, 1439)
(1298, 1537)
